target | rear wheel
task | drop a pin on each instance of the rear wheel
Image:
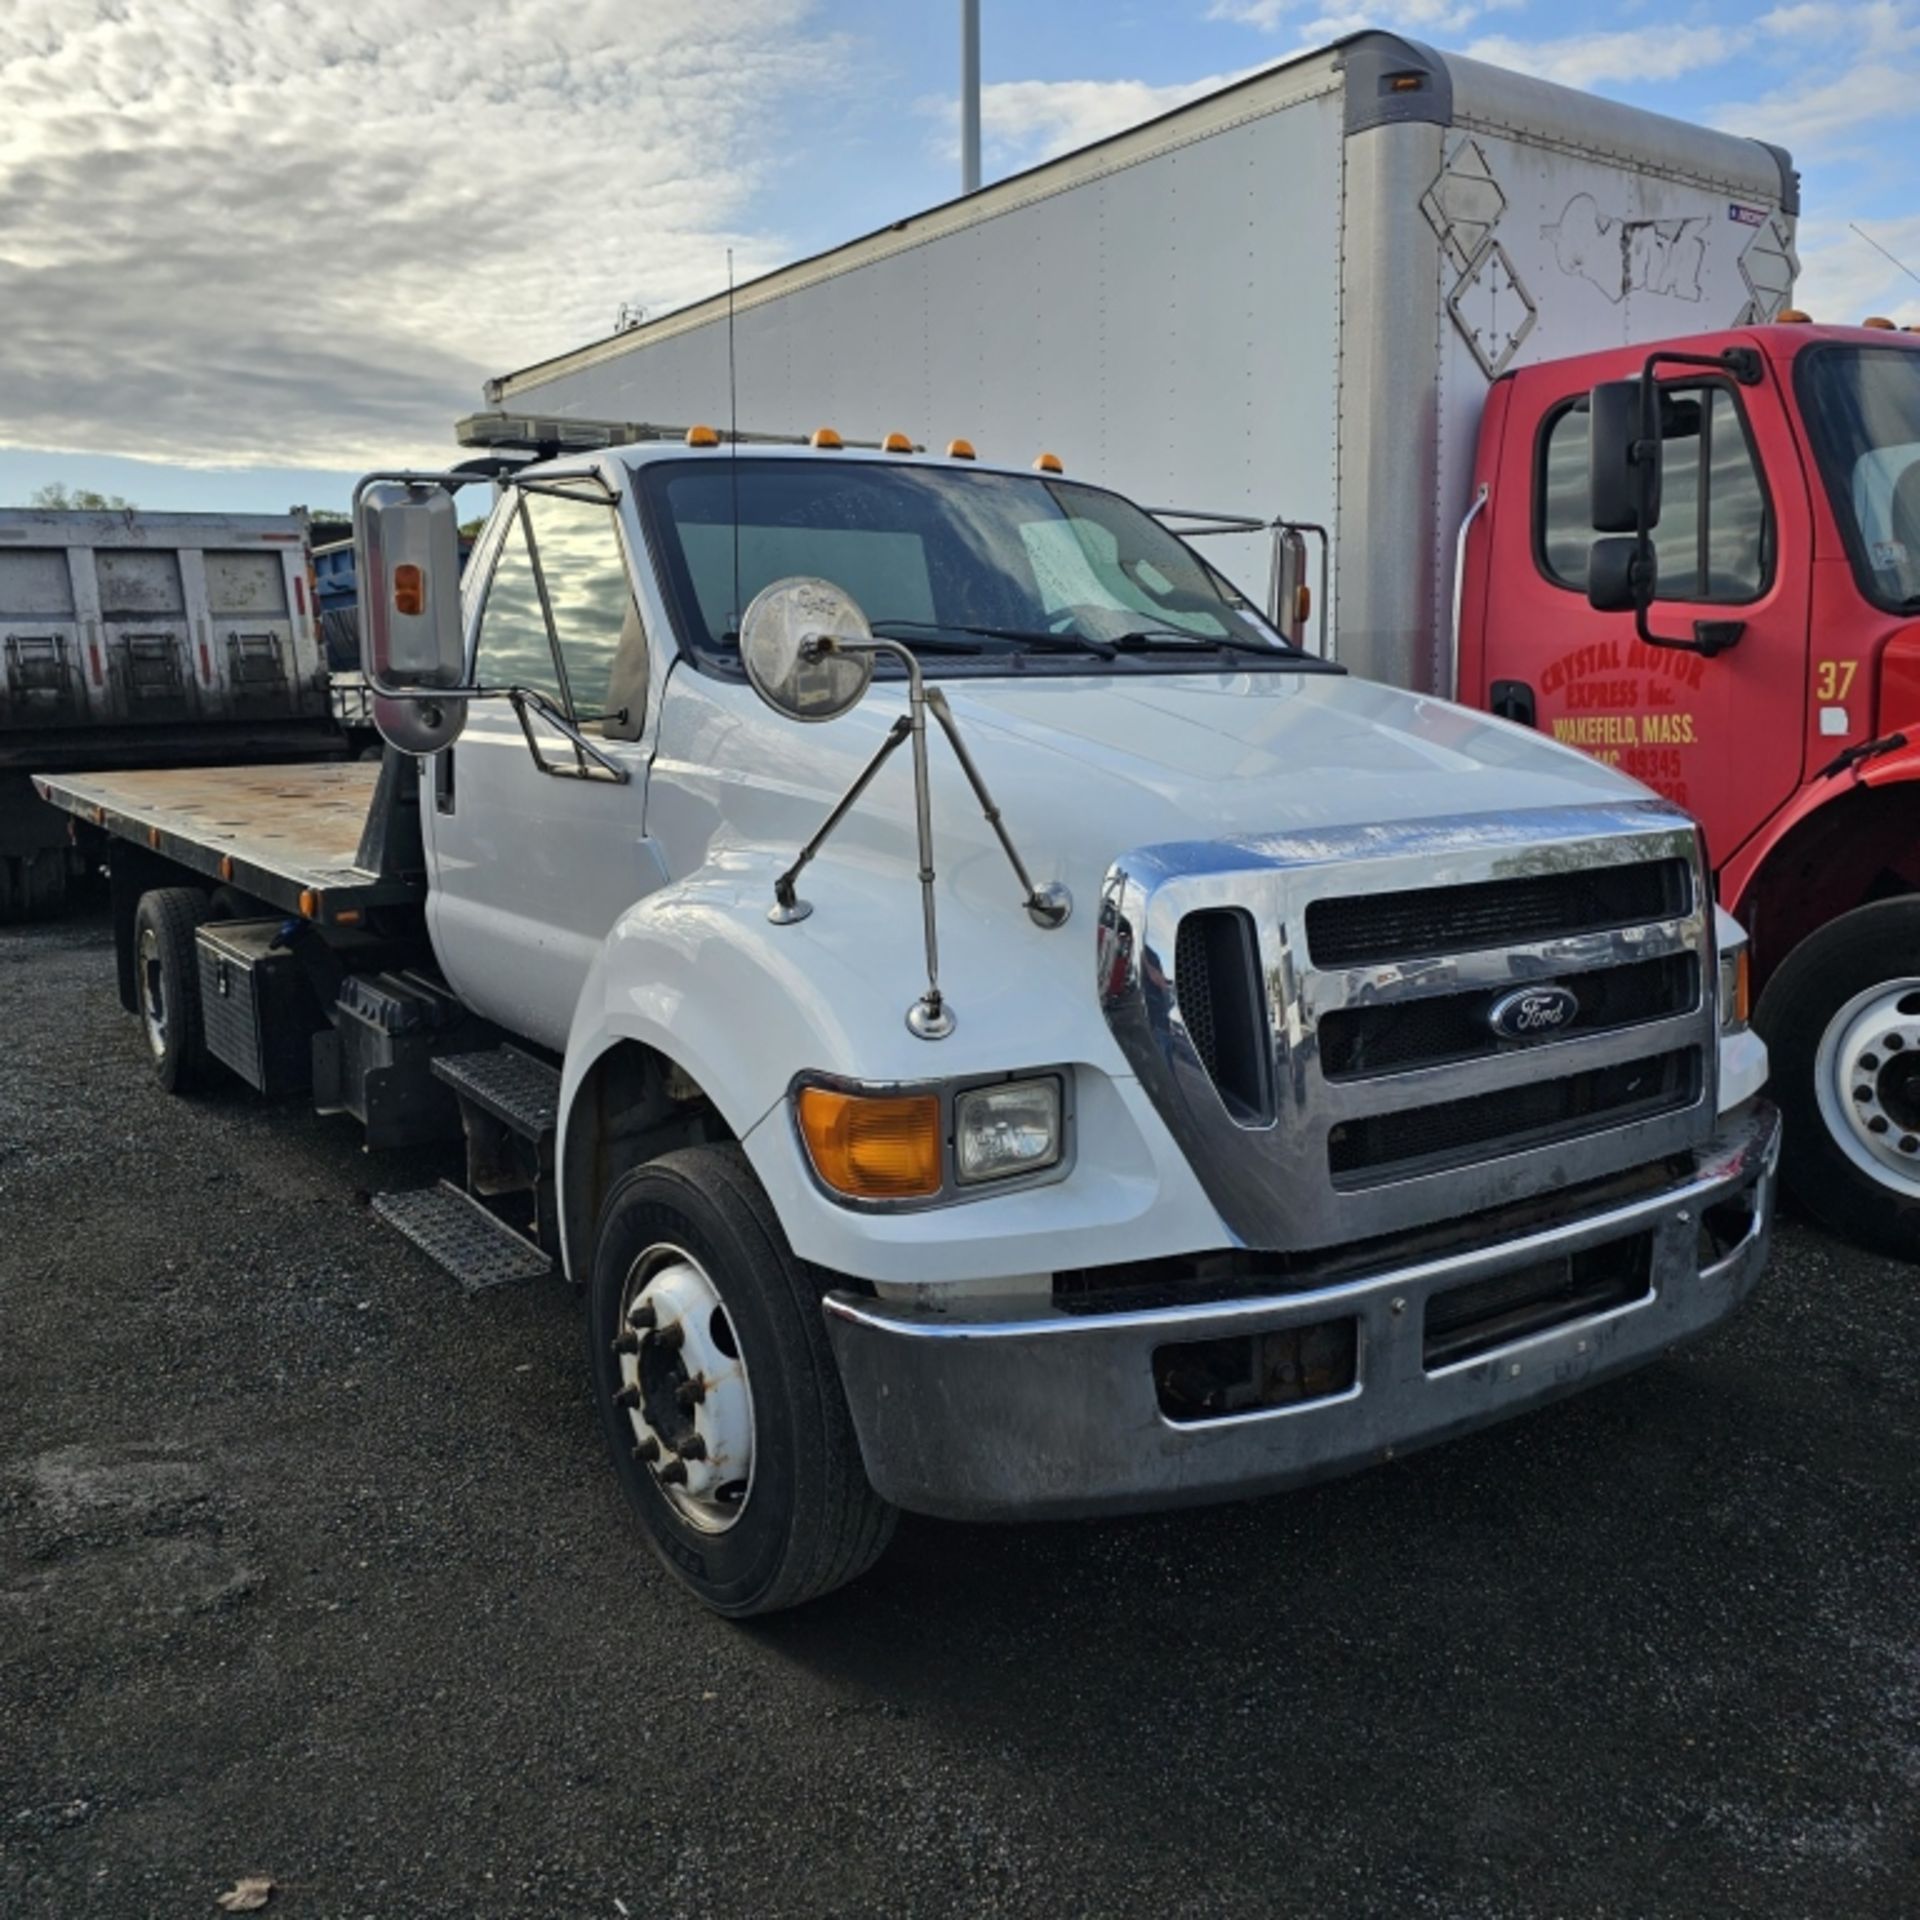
(718, 1393)
(166, 970)
(1841, 1019)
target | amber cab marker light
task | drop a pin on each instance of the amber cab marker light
(1879, 323)
(959, 449)
(702, 437)
(896, 443)
(409, 589)
(872, 1146)
(1793, 317)
(826, 439)
(1047, 463)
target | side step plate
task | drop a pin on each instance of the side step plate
(455, 1230)
(522, 1093)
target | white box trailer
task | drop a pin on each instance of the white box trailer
(139, 639)
(1286, 299)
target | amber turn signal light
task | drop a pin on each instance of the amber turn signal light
(409, 589)
(873, 1146)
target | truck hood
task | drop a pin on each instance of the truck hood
(1085, 770)
(1202, 756)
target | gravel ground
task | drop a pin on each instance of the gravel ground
(310, 1567)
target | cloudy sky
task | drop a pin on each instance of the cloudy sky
(248, 247)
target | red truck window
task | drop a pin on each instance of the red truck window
(1713, 542)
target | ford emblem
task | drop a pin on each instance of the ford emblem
(1530, 1013)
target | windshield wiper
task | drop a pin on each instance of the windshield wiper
(1148, 639)
(931, 641)
(921, 631)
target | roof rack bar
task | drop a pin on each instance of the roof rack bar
(550, 435)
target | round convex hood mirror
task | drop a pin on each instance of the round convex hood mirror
(782, 619)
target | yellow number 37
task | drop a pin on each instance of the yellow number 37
(1833, 679)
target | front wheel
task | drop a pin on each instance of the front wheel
(717, 1390)
(1841, 1019)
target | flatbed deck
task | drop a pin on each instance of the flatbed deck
(289, 835)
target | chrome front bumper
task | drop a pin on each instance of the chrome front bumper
(1029, 1410)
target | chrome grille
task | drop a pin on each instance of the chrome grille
(1368, 928)
(1377, 956)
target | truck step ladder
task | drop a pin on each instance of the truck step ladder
(511, 1087)
(509, 1102)
(453, 1229)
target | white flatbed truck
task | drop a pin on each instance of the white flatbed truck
(1123, 1060)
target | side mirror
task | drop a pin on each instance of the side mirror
(1621, 574)
(1623, 489)
(788, 670)
(1292, 591)
(407, 552)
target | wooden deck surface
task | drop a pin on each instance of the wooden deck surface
(299, 825)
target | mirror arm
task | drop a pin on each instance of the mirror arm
(584, 750)
(1046, 906)
(1709, 636)
(788, 906)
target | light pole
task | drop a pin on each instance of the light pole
(969, 96)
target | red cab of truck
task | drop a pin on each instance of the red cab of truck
(1788, 542)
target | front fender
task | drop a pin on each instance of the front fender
(698, 974)
(1737, 877)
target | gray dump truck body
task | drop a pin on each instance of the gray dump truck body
(144, 639)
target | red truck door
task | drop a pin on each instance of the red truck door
(1723, 737)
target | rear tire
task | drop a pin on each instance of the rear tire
(734, 1367)
(1841, 1019)
(166, 970)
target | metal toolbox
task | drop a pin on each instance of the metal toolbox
(257, 1007)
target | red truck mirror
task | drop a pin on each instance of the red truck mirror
(412, 643)
(1623, 469)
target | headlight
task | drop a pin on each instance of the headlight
(1005, 1130)
(1731, 939)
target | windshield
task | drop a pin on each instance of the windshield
(1862, 408)
(989, 564)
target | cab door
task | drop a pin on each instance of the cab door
(538, 843)
(1722, 736)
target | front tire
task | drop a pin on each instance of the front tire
(1841, 1019)
(717, 1390)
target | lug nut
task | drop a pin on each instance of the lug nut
(626, 1342)
(628, 1396)
(694, 1448)
(693, 1391)
(670, 1337)
(673, 1474)
(647, 1451)
(641, 1314)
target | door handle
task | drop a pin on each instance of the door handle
(1513, 700)
(443, 781)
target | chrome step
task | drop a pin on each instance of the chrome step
(512, 1087)
(454, 1230)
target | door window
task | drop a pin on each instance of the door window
(593, 663)
(1712, 540)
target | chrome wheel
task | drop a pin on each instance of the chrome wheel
(1867, 1082)
(153, 992)
(683, 1384)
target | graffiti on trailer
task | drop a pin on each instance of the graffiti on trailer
(1623, 256)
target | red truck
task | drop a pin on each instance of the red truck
(1715, 585)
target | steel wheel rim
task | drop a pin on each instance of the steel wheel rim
(1866, 1075)
(684, 1387)
(153, 993)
